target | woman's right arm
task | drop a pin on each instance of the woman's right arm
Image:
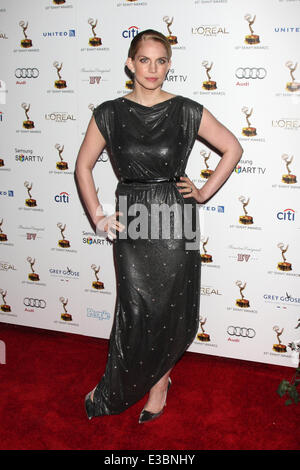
(91, 147)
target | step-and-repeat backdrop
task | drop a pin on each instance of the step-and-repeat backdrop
(60, 59)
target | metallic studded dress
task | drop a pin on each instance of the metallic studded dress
(157, 258)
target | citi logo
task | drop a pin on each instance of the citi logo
(62, 197)
(287, 214)
(130, 32)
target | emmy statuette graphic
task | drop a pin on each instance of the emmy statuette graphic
(60, 165)
(279, 347)
(33, 276)
(1, 162)
(245, 219)
(3, 236)
(65, 316)
(208, 84)
(251, 38)
(129, 84)
(204, 337)
(207, 172)
(97, 284)
(28, 124)
(243, 303)
(29, 202)
(25, 43)
(283, 266)
(289, 178)
(4, 307)
(63, 243)
(94, 41)
(205, 257)
(59, 83)
(248, 131)
(172, 39)
(292, 86)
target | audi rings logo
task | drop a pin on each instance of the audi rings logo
(38, 303)
(27, 73)
(248, 72)
(241, 331)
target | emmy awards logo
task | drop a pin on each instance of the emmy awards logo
(248, 131)
(25, 42)
(29, 202)
(33, 276)
(251, 38)
(243, 303)
(59, 83)
(4, 307)
(206, 173)
(28, 124)
(65, 316)
(97, 284)
(3, 236)
(60, 165)
(245, 219)
(280, 348)
(206, 258)
(292, 86)
(283, 266)
(208, 84)
(172, 39)
(289, 178)
(129, 84)
(95, 41)
(63, 243)
(204, 337)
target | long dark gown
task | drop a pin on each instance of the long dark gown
(158, 276)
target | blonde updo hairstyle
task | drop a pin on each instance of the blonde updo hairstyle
(149, 34)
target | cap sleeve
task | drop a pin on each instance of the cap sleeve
(103, 114)
(192, 115)
(195, 111)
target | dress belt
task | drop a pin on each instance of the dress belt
(150, 181)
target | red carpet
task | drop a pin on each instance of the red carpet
(214, 403)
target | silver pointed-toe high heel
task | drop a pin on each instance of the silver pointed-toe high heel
(146, 416)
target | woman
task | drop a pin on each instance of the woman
(150, 134)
